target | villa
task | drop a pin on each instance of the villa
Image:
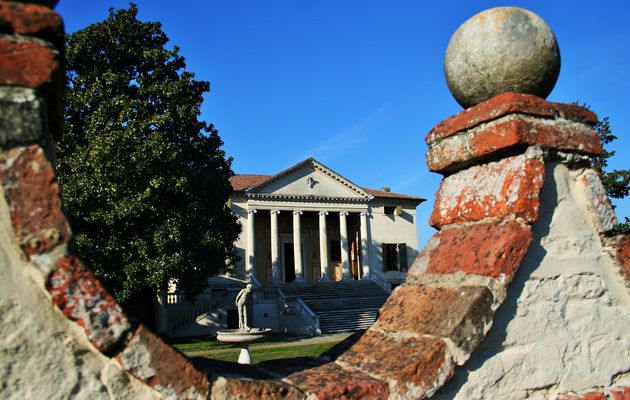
(311, 224)
(322, 252)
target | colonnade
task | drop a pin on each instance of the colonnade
(300, 268)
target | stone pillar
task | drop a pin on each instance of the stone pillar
(507, 204)
(275, 247)
(250, 260)
(323, 247)
(161, 313)
(343, 232)
(297, 247)
(366, 244)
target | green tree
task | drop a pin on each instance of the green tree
(144, 181)
(617, 181)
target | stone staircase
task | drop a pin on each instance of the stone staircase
(340, 306)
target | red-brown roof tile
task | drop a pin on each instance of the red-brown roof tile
(392, 195)
(245, 181)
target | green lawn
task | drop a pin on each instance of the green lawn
(274, 353)
(203, 344)
(209, 347)
(188, 345)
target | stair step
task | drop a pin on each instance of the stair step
(340, 306)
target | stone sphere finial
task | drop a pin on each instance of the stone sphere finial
(503, 49)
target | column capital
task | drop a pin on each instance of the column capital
(323, 213)
(297, 212)
(365, 213)
(252, 211)
(274, 212)
(343, 213)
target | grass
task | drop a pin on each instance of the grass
(276, 348)
(197, 344)
(274, 353)
(209, 343)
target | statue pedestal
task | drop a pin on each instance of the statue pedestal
(243, 338)
(245, 357)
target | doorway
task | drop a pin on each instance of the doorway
(289, 262)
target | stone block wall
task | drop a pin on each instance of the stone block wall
(519, 295)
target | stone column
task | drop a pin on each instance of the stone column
(250, 262)
(161, 323)
(323, 247)
(366, 244)
(275, 247)
(297, 247)
(343, 232)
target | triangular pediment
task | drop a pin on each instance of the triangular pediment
(309, 179)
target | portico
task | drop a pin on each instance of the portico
(309, 233)
(310, 224)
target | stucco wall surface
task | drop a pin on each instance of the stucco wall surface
(43, 354)
(392, 229)
(565, 325)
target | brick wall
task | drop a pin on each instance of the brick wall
(519, 249)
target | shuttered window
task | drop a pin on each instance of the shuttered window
(402, 257)
(394, 256)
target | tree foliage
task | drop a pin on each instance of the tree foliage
(617, 181)
(144, 181)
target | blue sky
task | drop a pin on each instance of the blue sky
(358, 83)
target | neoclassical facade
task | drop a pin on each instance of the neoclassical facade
(308, 224)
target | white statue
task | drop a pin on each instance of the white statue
(241, 306)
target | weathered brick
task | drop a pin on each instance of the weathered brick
(331, 382)
(22, 116)
(558, 134)
(457, 151)
(507, 187)
(32, 195)
(28, 63)
(414, 367)
(614, 393)
(82, 298)
(492, 249)
(47, 3)
(31, 19)
(619, 393)
(162, 367)
(597, 395)
(505, 104)
(243, 389)
(462, 315)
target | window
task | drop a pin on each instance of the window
(390, 257)
(394, 257)
(391, 210)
